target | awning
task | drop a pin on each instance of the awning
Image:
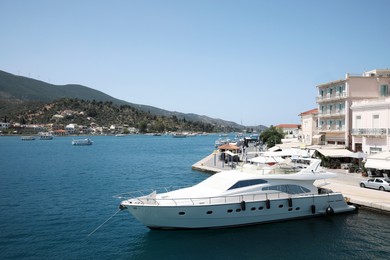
(334, 136)
(380, 161)
(336, 153)
(359, 155)
(317, 136)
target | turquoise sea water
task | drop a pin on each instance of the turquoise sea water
(53, 195)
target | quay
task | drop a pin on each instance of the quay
(346, 183)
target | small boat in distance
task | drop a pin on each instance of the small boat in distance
(45, 136)
(27, 138)
(237, 198)
(179, 135)
(85, 141)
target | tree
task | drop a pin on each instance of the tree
(272, 136)
(143, 127)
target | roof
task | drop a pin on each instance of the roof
(288, 126)
(228, 147)
(312, 111)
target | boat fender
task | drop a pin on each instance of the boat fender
(329, 210)
(290, 202)
(122, 207)
(313, 209)
(268, 204)
(243, 206)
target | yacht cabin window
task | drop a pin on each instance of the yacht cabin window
(289, 189)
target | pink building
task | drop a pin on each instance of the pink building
(334, 102)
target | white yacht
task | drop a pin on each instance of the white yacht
(236, 198)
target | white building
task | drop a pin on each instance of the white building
(71, 128)
(291, 131)
(4, 125)
(309, 125)
(371, 125)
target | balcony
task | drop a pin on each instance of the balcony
(369, 131)
(331, 113)
(331, 97)
(331, 129)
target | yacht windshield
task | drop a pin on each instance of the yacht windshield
(246, 183)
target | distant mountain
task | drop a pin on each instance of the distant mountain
(17, 90)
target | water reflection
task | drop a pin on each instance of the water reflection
(339, 236)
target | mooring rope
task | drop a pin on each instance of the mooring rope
(104, 222)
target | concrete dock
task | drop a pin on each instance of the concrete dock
(346, 183)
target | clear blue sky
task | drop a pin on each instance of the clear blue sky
(251, 62)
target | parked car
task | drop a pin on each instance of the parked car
(376, 183)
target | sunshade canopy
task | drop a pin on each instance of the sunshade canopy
(336, 153)
(380, 161)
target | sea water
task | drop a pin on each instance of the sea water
(54, 196)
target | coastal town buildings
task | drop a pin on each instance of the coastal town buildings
(335, 99)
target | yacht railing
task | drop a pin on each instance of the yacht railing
(150, 199)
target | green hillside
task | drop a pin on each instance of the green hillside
(27, 89)
(18, 93)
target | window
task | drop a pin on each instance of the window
(340, 124)
(330, 123)
(246, 183)
(289, 188)
(358, 122)
(375, 121)
(340, 89)
(384, 90)
(374, 150)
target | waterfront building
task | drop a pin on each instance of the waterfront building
(4, 125)
(71, 128)
(371, 125)
(334, 102)
(309, 125)
(291, 131)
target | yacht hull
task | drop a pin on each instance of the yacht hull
(237, 214)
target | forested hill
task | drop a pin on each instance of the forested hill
(16, 91)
